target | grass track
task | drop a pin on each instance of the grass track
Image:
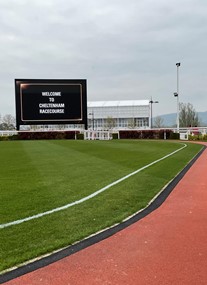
(41, 175)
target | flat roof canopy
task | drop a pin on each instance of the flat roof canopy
(120, 103)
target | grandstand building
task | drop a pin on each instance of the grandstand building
(106, 115)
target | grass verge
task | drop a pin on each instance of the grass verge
(41, 175)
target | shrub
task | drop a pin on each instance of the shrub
(115, 136)
(9, 138)
(197, 137)
(174, 136)
(14, 137)
(4, 138)
(80, 136)
(205, 137)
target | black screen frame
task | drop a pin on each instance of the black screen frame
(74, 95)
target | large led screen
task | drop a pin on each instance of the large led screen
(51, 101)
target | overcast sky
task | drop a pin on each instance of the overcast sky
(125, 49)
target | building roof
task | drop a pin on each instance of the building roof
(92, 104)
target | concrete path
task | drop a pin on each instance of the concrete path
(169, 246)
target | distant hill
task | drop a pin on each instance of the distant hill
(170, 119)
(203, 118)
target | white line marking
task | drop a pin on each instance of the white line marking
(17, 222)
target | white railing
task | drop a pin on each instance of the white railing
(97, 135)
(8, 133)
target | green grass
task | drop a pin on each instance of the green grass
(37, 176)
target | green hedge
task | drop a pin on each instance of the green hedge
(174, 136)
(80, 136)
(69, 135)
(146, 134)
(4, 138)
(115, 136)
(47, 135)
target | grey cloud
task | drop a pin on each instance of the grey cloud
(126, 49)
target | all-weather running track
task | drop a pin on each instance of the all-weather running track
(167, 244)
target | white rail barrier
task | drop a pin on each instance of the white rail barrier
(8, 133)
(97, 135)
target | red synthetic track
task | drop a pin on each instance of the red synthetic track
(169, 246)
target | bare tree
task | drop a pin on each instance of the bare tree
(158, 122)
(7, 122)
(131, 123)
(110, 123)
(188, 116)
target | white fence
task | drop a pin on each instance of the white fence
(8, 133)
(97, 135)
